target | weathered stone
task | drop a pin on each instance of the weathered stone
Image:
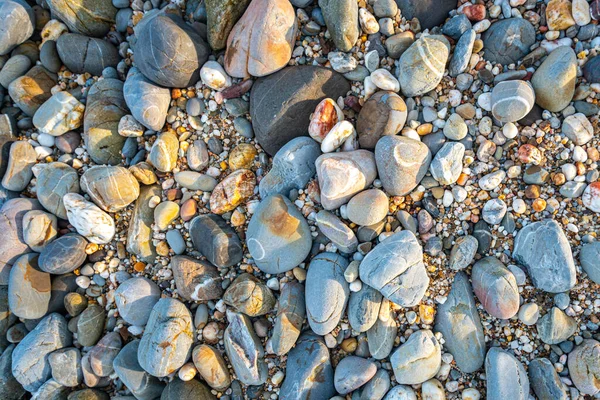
(147, 101)
(495, 287)
(395, 268)
(92, 19)
(51, 390)
(418, 359)
(309, 371)
(544, 250)
(326, 292)
(66, 366)
(196, 280)
(232, 191)
(139, 234)
(578, 129)
(245, 351)
(430, 13)
(422, 66)
(28, 288)
(135, 299)
(278, 236)
(144, 173)
(353, 372)
(363, 308)
(463, 252)
(545, 382)
(249, 295)
(39, 229)
(338, 232)
(555, 327)
(281, 104)
(186, 390)
(341, 17)
(29, 359)
(163, 155)
(18, 24)
(506, 377)
(197, 155)
(64, 254)
(554, 81)
(168, 51)
(104, 353)
(508, 40)
(212, 367)
(54, 181)
(447, 164)
(89, 220)
(215, 239)
(261, 42)
(558, 15)
(584, 367)
(82, 54)
(291, 311)
(104, 108)
(512, 100)
(221, 16)
(167, 341)
(21, 159)
(382, 334)
(111, 188)
(31, 90)
(90, 325)
(141, 384)
(383, 114)
(10, 388)
(15, 67)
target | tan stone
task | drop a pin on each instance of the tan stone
(558, 15)
(232, 191)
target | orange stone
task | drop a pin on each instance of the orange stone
(188, 210)
(232, 191)
(558, 15)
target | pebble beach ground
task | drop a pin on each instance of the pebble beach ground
(299, 199)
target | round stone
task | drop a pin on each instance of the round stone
(422, 66)
(39, 229)
(508, 40)
(368, 207)
(512, 100)
(111, 188)
(65, 254)
(383, 114)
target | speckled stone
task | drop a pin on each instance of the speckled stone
(395, 268)
(232, 191)
(402, 163)
(383, 114)
(135, 299)
(66, 366)
(196, 280)
(341, 17)
(506, 377)
(167, 341)
(584, 368)
(139, 233)
(326, 292)
(221, 16)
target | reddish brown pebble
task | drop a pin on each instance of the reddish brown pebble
(234, 91)
(529, 154)
(174, 194)
(188, 210)
(475, 12)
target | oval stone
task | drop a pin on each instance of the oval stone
(18, 24)
(63, 255)
(368, 207)
(163, 154)
(139, 382)
(249, 295)
(54, 181)
(512, 100)
(245, 351)
(147, 101)
(21, 159)
(421, 66)
(584, 367)
(90, 325)
(111, 188)
(508, 40)
(196, 280)
(28, 288)
(554, 81)
(496, 288)
(418, 359)
(383, 114)
(382, 334)
(353, 372)
(232, 191)
(506, 377)
(135, 299)
(39, 229)
(363, 308)
(291, 311)
(212, 367)
(89, 220)
(82, 54)
(216, 240)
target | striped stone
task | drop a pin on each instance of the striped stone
(512, 100)
(422, 66)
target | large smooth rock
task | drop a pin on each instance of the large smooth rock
(28, 288)
(64, 254)
(163, 155)
(395, 268)
(263, 39)
(383, 114)
(326, 292)
(141, 384)
(196, 280)
(18, 24)
(556, 327)
(168, 51)
(31, 90)
(216, 240)
(458, 321)
(13, 245)
(293, 166)
(281, 104)
(111, 188)
(30, 364)
(66, 366)
(341, 17)
(90, 325)
(135, 299)
(402, 163)
(421, 66)
(543, 248)
(291, 311)
(167, 341)
(104, 108)
(495, 287)
(430, 13)
(589, 257)
(352, 372)
(139, 233)
(545, 382)
(89, 220)
(554, 81)
(508, 40)
(212, 366)
(82, 54)
(278, 236)
(363, 308)
(85, 17)
(309, 374)
(245, 351)
(147, 101)
(418, 359)
(186, 390)
(14, 68)
(249, 295)
(342, 175)
(54, 181)
(506, 377)
(584, 367)
(221, 16)
(21, 159)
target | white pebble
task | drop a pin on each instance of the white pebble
(510, 131)
(384, 80)
(187, 372)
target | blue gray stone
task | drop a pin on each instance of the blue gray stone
(462, 53)
(495, 287)
(506, 376)
(377, 387)
(103, 354)
(508, 40)
(141, 384)
(18, 24)
(147, 101)
(196, 280)
(555, 326)
(456, 26)
(245, 350)
(337, 231)
(545, 382)
(54, 181)
(291, 311)
(341, 17)
(82, 54)
(589, 257)
(382, 334)
(65, 254)
(66, 366)
(10, 388)
(352, 372)
(216, 240)
(363, 308)
(90, 325)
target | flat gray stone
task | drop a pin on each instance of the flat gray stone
(63, 255)
(66, 366)
(196, 280)
(496, 288)
(555, 326)
(506, 377)
(18, 24)
(382, 334)
(141, 384)
(82, 54)
(545, 382)
(147, 101)
(418, 359)
(589, 257)
(363, 308)
(54, 181)
(353, 372)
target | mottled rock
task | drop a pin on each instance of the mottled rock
(89, 220)
(458, 321)
(395, 268)
(261, 42)
(327, 114)
(215, 239)
(245, 351)
(139, 233)
(463, 252)
(21, 159)
(147, 101)
(59, 114)
(341, 17)
(554, 81)
(82, 54)
(309, 374)
(249, 295)
(430, 13)
(281, 104)
(163, 155)
(212, 367)
(326, 292)
(508, 40)
(196, 280)
(584, 367)
(558, 15)
(141, 384)
(337, 231)
(293, 166)
(104, 353)
(28, 288)
(167, 341)
(506, 377)
(51, 390)
(64, 254)
(29, 359)
(402, 163)
(278, 236)
(66, 366)
(363, 308)
(135, 299)
(495, 287)
(589, 257)
(578, 129)
(54, 181)
(291, 311)
(221, 16)
(92, 19)
(90, 325)
(104, 109)
(418, 359)
(556, 326)
(342, 175)
(353, 372)
(39, 229)
(232, 191)
(31, 90)
(383, 114)
(447, 164)
(543, 248)
(422, 66)
(168, 51)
